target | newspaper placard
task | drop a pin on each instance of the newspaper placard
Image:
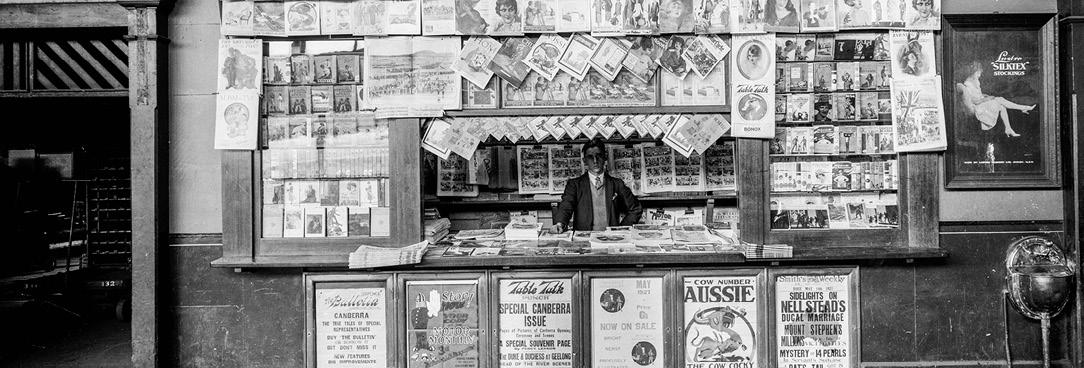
(535, 317)
(813, 321)
(627, 322)
(242, 64)
(721, 321)
(442, 323)
(753, 88)
(237, 120)
(918, 115)
(351, 326)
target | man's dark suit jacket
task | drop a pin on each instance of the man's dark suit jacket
(577, 200)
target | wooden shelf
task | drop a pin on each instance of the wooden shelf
(581, 110)
(454, 202)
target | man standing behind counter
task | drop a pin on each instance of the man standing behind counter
(596, 198)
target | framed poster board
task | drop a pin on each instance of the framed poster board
(723, 318)
(815, 318)
(445, 319)
(1001, 90)
(629, 319)
(538, 319)
(349, 321)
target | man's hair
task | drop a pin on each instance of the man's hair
(594, 143)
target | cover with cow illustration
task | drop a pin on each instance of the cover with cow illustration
(442, 323)
(720, 315)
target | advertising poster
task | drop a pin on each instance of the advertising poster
(721, 321)
(442, 324)
(242, 64)
(351, 326)
(535, 323)
(753, 87)
(813, 321)
(236, 120)
(997, 100)
(627, 322)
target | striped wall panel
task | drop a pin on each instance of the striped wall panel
(12, 66)
(80, 65)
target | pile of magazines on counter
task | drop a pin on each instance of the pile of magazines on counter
(753, 251)
(436, 229)
(533, 241)
(367, 256)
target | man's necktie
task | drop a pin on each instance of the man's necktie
(598, 182)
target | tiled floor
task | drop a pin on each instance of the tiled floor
(98, 343)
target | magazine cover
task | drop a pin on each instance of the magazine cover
(799, 77)
(276, 100)
(845, 105)
(676, 16)
(336, 222)
(337, 17)
(753, 85)
(823, 77)
(357, 221)
(545, 53)
(704, 53)
(508, 63)
(781, 16)
(807, 47)
(888, 13)
(747, 16)
(277, 70)
(818, 16)
(237, 18)
(372, 18)
(824, 140)
(272, 221)
(923, 14)
(473, 61)
(347, 68)
(847, 139)
(442, 323)
(268, 18)
(627, 327)
(394, 65)
(321, 99)
(574, 16)
(324, 68)
(847, 76)
(825, 47)
(640, 61)
(608, 57)
(712, 16)
(912, 54)
(671, 60)
(402, 17)
(854, 14)
(624, 90)
(576, 57)
(870, 75)
(918, 115)
(438, 17)
(301, 69)
(786, 47)
(302, 18)
(799, 107)
(720, 318)
(540, 16)
(236, 120)
(315, 221)
(242, 65)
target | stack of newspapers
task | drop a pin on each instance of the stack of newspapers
(437, 229)
(768, 251)
(368, 256)
(522, 231)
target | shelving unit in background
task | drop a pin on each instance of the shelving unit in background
(110, 237)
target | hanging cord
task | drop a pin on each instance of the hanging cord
(1005, 313)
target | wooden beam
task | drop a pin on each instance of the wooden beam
(80, 15)
(148, 88)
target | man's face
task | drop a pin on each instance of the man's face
(823, 109)
(595, 160)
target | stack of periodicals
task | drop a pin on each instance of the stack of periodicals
(522, 231)
(435, 230)
(768, 251)
(612, 239)
(367, 256)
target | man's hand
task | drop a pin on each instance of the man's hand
(557, 228)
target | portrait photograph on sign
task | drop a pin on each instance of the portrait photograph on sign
(1000, 98)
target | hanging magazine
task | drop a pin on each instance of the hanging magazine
(411, 76)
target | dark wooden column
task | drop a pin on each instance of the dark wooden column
(147, 98)
(1071, 53)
